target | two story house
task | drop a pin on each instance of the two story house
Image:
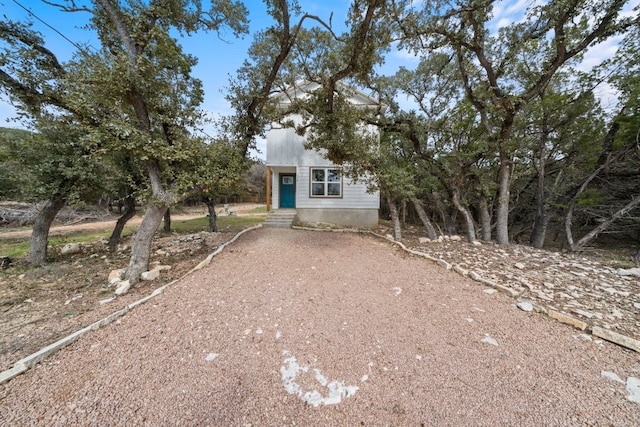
(305, 181)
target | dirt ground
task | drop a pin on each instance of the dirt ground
(40, 306)
(291, 327)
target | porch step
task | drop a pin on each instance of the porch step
(280, 218)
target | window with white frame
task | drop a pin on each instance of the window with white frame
(326, 182)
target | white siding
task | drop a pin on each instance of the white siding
(286, 153)
(354, 194)
(285, 148)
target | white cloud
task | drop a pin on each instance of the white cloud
(598, 53)
(506, 12)
(404, 54)
(511, 9)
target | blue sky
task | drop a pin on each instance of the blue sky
(220, 58)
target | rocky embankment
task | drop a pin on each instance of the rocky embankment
(582, 287)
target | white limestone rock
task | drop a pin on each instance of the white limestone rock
(475, 276)
(489, 340)
(123, 287)
(612, 376)
(584, 313)
(116, 275)
(70, 249)
(150, 275)
(629, 272)
(525, 305)
(444, 264)
(633, 388)
(460, 270)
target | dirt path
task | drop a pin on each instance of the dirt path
(61, 230)
(291, 327)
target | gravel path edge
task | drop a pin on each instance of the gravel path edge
(611, 336)
(26, 363)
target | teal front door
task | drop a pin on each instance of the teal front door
(287, 191)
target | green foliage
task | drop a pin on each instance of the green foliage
(232, 224)
(340, 129)
(14, 178)
(216, 169)
(589, 198)
(14, 248)
(259, 209)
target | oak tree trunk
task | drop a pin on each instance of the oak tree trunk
(395, 216)
(539, 233)
(129, 212)
(468, 218)
(504, 194)
(213, 218)
(485, 218)
(449, 223)
(167, 221)
(142, 240)
(431, 231)
(41, 226)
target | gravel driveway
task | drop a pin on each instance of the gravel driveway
(293, 327)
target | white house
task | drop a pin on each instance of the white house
(304, 180)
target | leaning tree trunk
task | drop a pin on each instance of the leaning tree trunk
(447, 220)
(502, 211)
(568, 219)
(41, 226)
(129, 212)
(605, 159)
(167, 221)
(395, 217)
(142, 240)
(431, 231)
(541, 221)
(468, 218)
(213, 218)
(600, 228)
(485, 218)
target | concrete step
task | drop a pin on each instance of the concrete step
(280, 218)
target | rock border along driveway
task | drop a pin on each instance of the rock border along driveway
(376, 349)
(528, 304)
(30, 361)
